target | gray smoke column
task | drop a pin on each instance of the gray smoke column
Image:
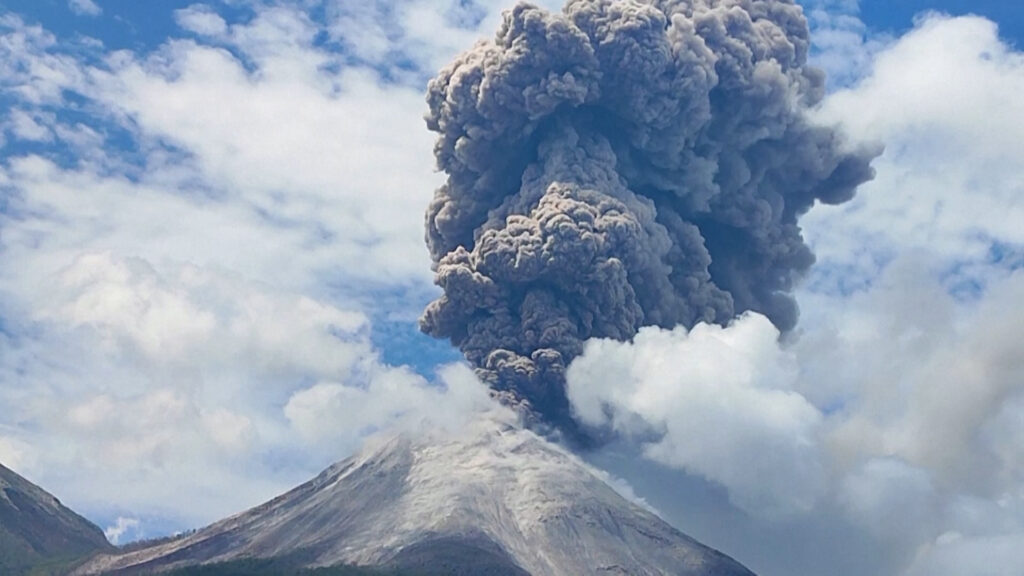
(622, 164)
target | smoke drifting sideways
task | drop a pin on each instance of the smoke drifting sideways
(623, 164)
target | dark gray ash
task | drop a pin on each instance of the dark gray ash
(623, 164)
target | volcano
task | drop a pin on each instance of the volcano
(493, 498)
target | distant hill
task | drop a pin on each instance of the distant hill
(496, 500)
(38, 535)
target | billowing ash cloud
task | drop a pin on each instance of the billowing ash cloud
(622, 164)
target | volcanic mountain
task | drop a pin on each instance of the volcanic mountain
(492, 499)
(37, 533)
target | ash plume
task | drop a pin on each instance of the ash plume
(623, 164)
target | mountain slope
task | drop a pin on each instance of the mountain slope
(36, 530)
(496, 499)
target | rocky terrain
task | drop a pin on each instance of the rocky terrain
(37, 533)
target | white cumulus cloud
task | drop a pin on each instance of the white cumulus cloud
(201, 19)
(85, 7)
(121, 527)
(717, 402)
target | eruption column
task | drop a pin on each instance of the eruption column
(623, 164)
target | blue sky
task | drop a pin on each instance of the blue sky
(898, 17)
(134, 25)
(213, 263)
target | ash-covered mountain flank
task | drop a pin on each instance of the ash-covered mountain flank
(37, 531)
(495, 499)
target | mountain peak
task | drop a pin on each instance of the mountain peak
(35, 527)
(489, 498)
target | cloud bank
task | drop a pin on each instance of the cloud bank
(184, 285)
(893, 410)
